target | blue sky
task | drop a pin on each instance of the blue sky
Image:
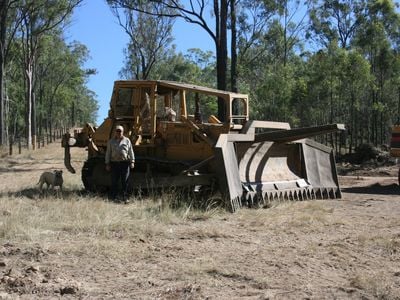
(94, 25)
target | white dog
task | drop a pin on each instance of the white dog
(52, 179)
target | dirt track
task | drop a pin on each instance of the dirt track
(335, 249)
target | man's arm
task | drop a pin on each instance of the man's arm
(131, 155)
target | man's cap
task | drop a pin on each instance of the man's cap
(119, 127)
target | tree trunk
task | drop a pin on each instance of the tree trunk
(2, 102)
(39, 102)
(221, 13)
(73, 122)
(374, 120)
(33, 120)
(234, 87)
(285, 50)
(353, 122)
(50, 119)
(28, 112)
(331, 108)
(3, 27)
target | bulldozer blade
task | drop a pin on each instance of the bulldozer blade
(293, 171)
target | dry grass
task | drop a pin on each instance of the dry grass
(28, 215)
(173, 247)
(24, 219)
(378, 285)
(92, 227)
(288, 215)
(388, 244)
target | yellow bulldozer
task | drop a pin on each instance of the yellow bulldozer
(192, 136)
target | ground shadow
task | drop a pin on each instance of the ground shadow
(36, 194)
(172, 198)
(392, 189)
(33, 169)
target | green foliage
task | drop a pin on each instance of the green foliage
(63, 82)
(58, 78)
(149, 37)
(352, 76)
(197, 67)
(344, 67)
(272, 98)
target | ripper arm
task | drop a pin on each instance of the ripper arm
(80, 138)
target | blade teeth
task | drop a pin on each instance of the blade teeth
(263, 198)
(255, 199)
(235, 204)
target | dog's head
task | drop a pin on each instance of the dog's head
(58, 173)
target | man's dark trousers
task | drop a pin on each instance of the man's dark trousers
(119, 174)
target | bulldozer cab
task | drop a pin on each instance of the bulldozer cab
(153, 111)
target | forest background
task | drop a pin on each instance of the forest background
(304, 62)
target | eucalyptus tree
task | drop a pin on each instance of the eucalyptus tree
(293, 16)
(323, 84)
(15, 105)
(80, 97)
(234, 34)
(338, 82)
(205, 61)
(378, 39)
(9, 22)
(253, 20)
(356, 78)
(38, 17)
(195, 12)
(336, 20)
(178, 67)
(270, 36)
(59, 78)
(150, 37)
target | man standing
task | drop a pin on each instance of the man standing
(119, 160)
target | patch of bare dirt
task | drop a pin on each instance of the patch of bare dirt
(333, 249)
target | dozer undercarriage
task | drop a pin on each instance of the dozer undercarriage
(249, 162)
